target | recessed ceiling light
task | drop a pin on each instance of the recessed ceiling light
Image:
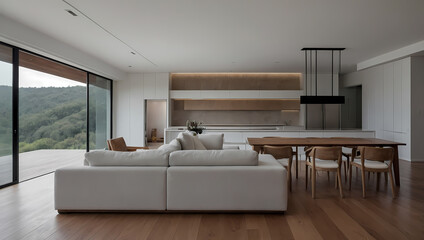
(71, 12)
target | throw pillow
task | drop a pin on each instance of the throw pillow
(190, 142)
(186, 141)
(198, 145)
(212, 141)
(174, 145)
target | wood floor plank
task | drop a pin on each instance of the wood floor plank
(140, 228)
(350, 228)
(374, 225)
(300, 223)
(403, 221)
(188, 227)
(165, 227)
(257, 227)
(222, 226)
(322, 222)
(279, 227)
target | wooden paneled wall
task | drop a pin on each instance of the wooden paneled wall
(242, 105)
(235, 81)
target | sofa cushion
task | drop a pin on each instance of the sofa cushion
(172, 146)
(214, 158)
(190, 142)
(113, 158)
(212, 141)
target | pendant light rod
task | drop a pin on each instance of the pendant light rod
(316, 73)
(332, 72)
(306, 72)
(311, 68)
(323, 49)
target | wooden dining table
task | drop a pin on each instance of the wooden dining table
(259, 143)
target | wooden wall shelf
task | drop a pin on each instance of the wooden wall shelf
(236, 94)
(235, 81)
(241, 105)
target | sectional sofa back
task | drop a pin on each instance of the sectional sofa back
(214, 158)
(170, 154)
(157, 157)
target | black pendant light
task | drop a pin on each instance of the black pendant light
(322, 99)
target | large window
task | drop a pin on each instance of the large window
(99, 111)
(50, 114)
(6, 115)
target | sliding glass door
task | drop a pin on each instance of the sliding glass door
(6, 115)
(99, 98)
(51, 114)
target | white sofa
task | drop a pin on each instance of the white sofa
(173, 180)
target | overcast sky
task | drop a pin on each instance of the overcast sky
(32, 78)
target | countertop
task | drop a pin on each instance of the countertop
(264, 129)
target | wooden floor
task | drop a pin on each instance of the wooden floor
(26, 212)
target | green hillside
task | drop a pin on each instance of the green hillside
(50, 118)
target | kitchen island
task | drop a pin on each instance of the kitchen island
(237, 135)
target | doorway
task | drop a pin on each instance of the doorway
(351, 116)
(155, 119)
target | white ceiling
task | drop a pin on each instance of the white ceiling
(223, 35)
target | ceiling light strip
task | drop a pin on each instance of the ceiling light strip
(110, 33)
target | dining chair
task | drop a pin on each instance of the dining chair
(284, 155)
(324, 159)
(295, 150)
(374, 159)
(347, 153)
(118, 144)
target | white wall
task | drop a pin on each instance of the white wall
(19, 35)
(417, 108)
(386, 101)
(129, 104)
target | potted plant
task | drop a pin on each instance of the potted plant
(195, 126)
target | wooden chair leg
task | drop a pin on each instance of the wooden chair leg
(350, 176)
(378, 181)
(328, 176)
(363, 182)
(306, 176)
(297, 160)
(347, 164)
(392, 183)
(314, 175)
(345, 169)
(385, 177)
(357, 173)
(339, 175)
(289, 177)
(335, 180)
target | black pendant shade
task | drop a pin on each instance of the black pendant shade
(322, 99)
